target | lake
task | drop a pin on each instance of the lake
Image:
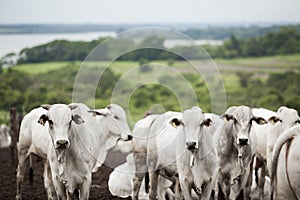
(16, 42)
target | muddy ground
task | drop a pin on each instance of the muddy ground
(37, 191)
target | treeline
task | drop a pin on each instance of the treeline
(286, 41)
(221, 33)
(27, 91)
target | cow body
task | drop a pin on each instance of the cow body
(197, 157)
(285, 174)
(284, 119)
(152, 135)
(161, 151)
(120, 182)
(236, 148)
(5, 137)
(33, 138)
(261, 134)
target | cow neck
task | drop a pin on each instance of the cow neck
(73, 154)
(228, 140)
(68, 162)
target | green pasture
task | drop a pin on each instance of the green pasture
(246, 80)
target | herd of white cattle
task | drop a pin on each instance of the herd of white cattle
(188, 155)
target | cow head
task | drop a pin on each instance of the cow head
(60, 119)
(113, 123)
(193, 121)
(240, 119)
(285, 118)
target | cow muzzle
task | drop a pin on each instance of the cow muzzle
(243, 141)
(191, 145)
(62, 144)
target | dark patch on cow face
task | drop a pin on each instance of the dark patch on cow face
(43, 119)
(207, 122)
(228, 117)
(274, 120)
(77, 119)
(176, 122)
(258, 120)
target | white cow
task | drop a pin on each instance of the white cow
(197, 156)
(145, 133)
(120, 182)
(267, 135)
(68, 132)
(5, 137)
(261, 133)
(282, 121)
(285, 174)
(236, 148)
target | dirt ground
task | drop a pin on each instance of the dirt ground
(99, 189)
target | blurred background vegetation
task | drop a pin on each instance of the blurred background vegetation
(259, 66)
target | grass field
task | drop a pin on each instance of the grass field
(259, 67)
(270, 63)
(50, 80)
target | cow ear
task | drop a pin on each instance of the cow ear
(273, 120)
(228, 117)
(43, 119)
(95, 112)
(176, 122)
(207, 122)
(77, 119)
(258, 120)
(46, 106)
(72, 106)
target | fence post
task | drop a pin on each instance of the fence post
(14, 134)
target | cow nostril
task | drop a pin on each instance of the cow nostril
(62, 142)
(129, 137)
(243, 141)
(191, 145)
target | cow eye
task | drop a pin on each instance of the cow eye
(297, 121)
(116, 117)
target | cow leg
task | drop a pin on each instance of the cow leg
(223, 185)
(48, 181)
(21, 169)
(85, 188)
(207, 190)
(261, 182)
(141, 169)
(60, 189)
(153, 184)
(185, 186)
(247, 189)
(178, 193)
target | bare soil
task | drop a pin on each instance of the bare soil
(36, 191)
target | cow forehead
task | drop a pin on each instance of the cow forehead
(118, 110)
(288, 115)
(193, 116)
(243, 113)
(60, 113)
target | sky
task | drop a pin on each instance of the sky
(150, 11)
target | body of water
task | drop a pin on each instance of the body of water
(14, 43)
